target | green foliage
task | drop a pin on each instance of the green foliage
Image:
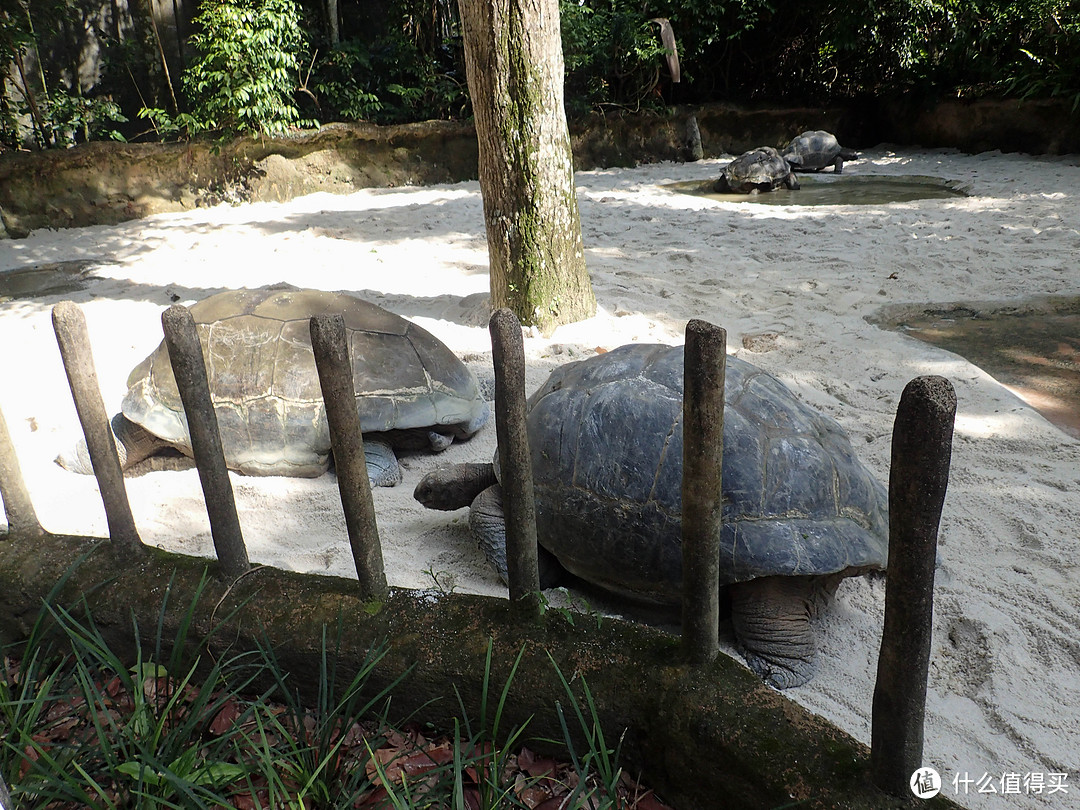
(79, 727)
(778, 51)
(53, 101)
(310, 767)
(390, 80)
(826, 51)
(721, 43)
(83, 728)
(341, 84)
(1048, 64)
(571, 608)
(173, 127)
(247, 69)
(612, 55)
(14, 37)
(402, 60)
(74, 119)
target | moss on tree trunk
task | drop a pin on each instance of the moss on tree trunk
(513, 57)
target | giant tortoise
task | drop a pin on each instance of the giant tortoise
(815, 150)
(800, 511)
(411, 390)
(761, 169)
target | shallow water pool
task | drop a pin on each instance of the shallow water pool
(45, 279)
(837, 189)
(1034, 350)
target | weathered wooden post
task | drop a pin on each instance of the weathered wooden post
(336, 378)
(189, 369)
(704, 370)
(919, 476)
(69, 324)
(694, 150)
(21, 518)
(515, 461)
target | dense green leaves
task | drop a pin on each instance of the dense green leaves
(264, 65)
(247, 66)
(613, 56)
(791, 50)
(390, 79)
(44, 95)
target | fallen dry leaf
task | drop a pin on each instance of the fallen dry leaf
(226, 717)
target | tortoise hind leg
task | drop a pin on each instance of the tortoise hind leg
(771, 619)
(134, 443)
(437, 442)
(382, 464)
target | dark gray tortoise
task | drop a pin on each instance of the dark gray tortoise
(800, 511)
(815, 150)
(761, 169)
(411, 390)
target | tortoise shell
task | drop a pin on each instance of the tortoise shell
(607, 446)
(265, 386)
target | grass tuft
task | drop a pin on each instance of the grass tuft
(180, 728)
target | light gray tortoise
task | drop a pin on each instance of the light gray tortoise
(815, 150)
(411, 390)
(761, 169)
(800, 511)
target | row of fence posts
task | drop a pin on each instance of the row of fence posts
(921, 451)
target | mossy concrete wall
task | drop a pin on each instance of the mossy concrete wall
(703, 737)
(103, 183)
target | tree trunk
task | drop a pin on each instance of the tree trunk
(333, 28)
(513, 59)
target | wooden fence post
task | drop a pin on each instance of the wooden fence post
(331, 350)
(189, 369)
(919, 476)
(69, 324)
(704, 371)
(21, 518)
(515, 461)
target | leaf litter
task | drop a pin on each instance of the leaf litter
(392, 759)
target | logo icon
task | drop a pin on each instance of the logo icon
(925, 783)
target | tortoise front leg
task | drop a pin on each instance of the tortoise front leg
(488, 526)
(771, 619)
(133, 444)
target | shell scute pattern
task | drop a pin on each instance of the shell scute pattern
(607, 443)
(265, 385)
(815, 150)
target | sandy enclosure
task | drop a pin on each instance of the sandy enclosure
(792, 285)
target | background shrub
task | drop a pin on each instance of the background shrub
(263, 65)
(247, 68)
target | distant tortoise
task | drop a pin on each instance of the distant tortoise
(411, 390)
(761, 169)
(815, 150)
(800, 511)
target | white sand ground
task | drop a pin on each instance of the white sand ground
(793, 287)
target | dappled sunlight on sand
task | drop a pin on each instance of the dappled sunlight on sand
(793, 286)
